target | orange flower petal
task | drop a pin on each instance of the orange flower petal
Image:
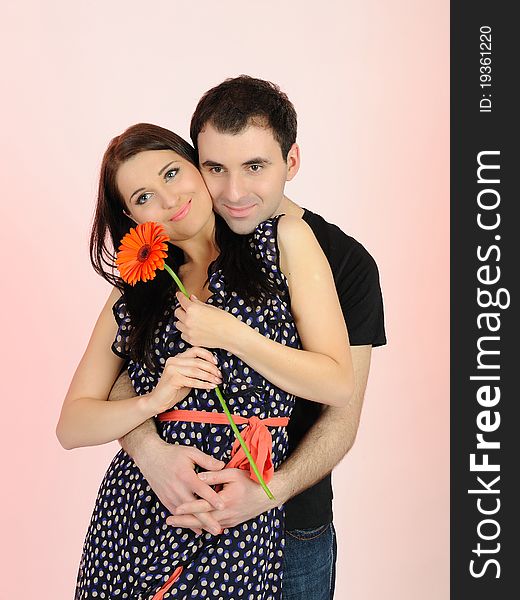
(134, 264)
(129, 242)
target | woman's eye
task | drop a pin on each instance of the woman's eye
(143, 198)
(170, 174)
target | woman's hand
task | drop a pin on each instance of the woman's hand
(193, 368)
(204, 325)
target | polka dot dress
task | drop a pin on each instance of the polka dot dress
(129, 550)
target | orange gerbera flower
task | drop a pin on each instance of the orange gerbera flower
(142, 252)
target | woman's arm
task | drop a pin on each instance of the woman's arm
(87, 419)
(322, 372)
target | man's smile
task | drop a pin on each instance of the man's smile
(240, 211)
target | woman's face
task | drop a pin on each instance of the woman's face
(161, 186)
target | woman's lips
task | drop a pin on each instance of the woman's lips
(180, 214)
(240, 212)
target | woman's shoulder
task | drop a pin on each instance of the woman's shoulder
(115, 300)
(298, 246)
(294, 232)
(116, 304)
(285, 226)
(115, 295)
(281, 233)
(279, 239)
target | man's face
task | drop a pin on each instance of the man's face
(245, 174)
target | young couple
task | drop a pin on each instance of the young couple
(273, 309)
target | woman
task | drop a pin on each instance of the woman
(149, 174)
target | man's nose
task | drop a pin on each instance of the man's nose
(233, 190)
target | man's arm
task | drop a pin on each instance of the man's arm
(322, 448)
(331, 437)
(146, 432)
(168, 468)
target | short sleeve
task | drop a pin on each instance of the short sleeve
(122, 317)
(357, 282)
(359, 291)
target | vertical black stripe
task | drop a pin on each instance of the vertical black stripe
(474, 131)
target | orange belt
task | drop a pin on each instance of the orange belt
(255, 435)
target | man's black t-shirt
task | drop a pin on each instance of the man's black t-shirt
(357, 283)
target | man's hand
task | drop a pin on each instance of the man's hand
(170, 471)
(243, 499)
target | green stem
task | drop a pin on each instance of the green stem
(225, 408)
(177, 280)
(243, 444)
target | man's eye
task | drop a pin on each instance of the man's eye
(216, 170)
(143, 198)
(171, 174)
(255, 168)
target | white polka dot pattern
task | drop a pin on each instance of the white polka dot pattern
(130, 551)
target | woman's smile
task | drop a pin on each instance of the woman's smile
(182, 212)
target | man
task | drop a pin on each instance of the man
(244, 131)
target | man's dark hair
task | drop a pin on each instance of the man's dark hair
(236, 103)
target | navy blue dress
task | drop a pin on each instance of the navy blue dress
(130, 551)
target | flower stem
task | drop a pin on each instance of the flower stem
(177, 280)
(226, 409)
(243, 444)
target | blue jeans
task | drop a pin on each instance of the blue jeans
(309, 570)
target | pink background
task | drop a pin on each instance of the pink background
(370, 83)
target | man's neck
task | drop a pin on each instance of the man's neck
(288, 207)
